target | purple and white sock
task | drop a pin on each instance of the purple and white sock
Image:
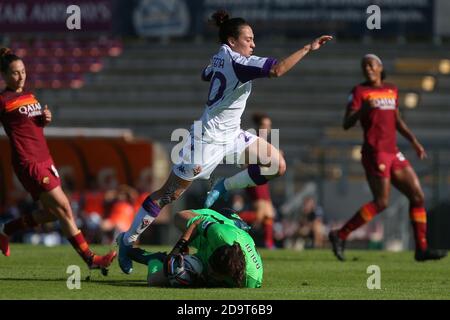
(144, 217)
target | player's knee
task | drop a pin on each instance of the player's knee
(281, 167)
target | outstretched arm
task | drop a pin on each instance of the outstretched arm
(403, 129)
(189, 234)
(286, 64)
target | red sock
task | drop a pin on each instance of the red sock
(419, 222)
(268, 232)
(248, 216)
(22, 223)
(81, 246)
(364, 215)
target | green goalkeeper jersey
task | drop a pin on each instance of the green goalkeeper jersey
(217, 230)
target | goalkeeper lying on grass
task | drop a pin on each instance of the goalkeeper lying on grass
(226, 255)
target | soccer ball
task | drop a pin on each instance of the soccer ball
(193, 264)
(186, 271)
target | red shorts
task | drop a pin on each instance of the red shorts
(261, 192)
(382, 164)
(37, 177)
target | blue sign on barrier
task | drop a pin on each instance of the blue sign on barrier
(295, 18)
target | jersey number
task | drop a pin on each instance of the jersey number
(222, 85)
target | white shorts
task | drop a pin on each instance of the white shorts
(198, 159)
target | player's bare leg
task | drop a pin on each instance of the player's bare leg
(264, 219)
(37, 217)
(407, 182)
(264, 161)
(56, 206)
(27, 221)
(56, 203)
(380, 188)
(263, 209)
(149, 211)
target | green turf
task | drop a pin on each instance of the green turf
(37, 272)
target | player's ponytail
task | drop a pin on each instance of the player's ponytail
(5, 51)
(6, 57)
(227, 27)
(258, 118)
(229, 261)
(219, 17)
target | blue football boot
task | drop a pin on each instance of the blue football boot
(125, 263)
(217, 191)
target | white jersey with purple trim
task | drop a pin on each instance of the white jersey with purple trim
(230, 76)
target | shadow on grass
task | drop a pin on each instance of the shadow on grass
(292, 259)
(33, 279)
(119, 283)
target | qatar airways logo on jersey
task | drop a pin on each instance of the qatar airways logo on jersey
(383, 103)
(31, 110)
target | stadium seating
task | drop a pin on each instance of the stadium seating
(155, 88)
(56, 64)
(159, 86)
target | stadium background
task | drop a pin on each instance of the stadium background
(120, 86)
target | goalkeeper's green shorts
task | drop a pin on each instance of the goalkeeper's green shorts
(154, 266)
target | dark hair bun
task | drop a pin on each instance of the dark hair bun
(219, 17)
(5, 51)
(258, 117)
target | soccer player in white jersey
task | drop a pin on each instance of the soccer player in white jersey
(230, 74)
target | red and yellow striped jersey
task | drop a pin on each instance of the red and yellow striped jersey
(22, 117)
(378, 107)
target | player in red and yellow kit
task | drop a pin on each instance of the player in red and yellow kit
(375, 104)
(24, 119)
(263, 212)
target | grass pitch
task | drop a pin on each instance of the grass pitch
(38, 272)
